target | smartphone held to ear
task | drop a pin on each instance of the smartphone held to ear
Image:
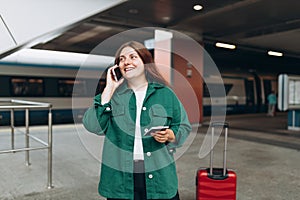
(116, 74)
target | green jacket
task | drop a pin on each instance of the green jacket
(116, 120)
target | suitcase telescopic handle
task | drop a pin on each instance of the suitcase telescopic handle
(213, 126)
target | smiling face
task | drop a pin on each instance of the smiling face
(137, 64)
(131, 64)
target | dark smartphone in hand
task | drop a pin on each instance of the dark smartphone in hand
(156, 128)
(116, 74)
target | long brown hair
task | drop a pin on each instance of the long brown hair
(151, 71)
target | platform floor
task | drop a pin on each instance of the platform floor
(263, 153)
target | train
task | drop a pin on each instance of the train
(70, 90)
(245, 93)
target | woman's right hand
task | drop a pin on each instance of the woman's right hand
(111, 86)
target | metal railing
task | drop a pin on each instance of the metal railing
(12, 105)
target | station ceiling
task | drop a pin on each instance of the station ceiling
(255, 26)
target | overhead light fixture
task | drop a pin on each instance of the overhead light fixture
(224, 45)
(198, 7)
(133, 11)
(166, 18)
(274, 53)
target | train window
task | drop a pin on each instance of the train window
(27, 87)
(216, 87)
(66, 86)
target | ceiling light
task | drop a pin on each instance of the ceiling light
(224, 45)
(166, 18)
(133, 11)
(198, 7)
(274, 53)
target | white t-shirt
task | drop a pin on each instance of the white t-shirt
(138, 152)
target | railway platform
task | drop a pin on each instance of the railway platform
(263, 153)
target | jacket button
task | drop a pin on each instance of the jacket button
(144, 108)
(146, 130)
(150, 176)
(148, 154)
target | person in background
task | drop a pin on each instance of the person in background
(134, 165)
(272, 100)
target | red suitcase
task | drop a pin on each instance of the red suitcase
(216, 183)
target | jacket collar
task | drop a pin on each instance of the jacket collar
(151, 87)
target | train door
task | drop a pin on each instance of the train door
(267, 89)
(250, 95)
(269, 86)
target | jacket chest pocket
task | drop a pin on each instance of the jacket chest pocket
(160, 115)
(121, 120)
(118, 112)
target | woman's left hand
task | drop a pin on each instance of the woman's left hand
(164, 136)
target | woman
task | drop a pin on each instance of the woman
(134, 165)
